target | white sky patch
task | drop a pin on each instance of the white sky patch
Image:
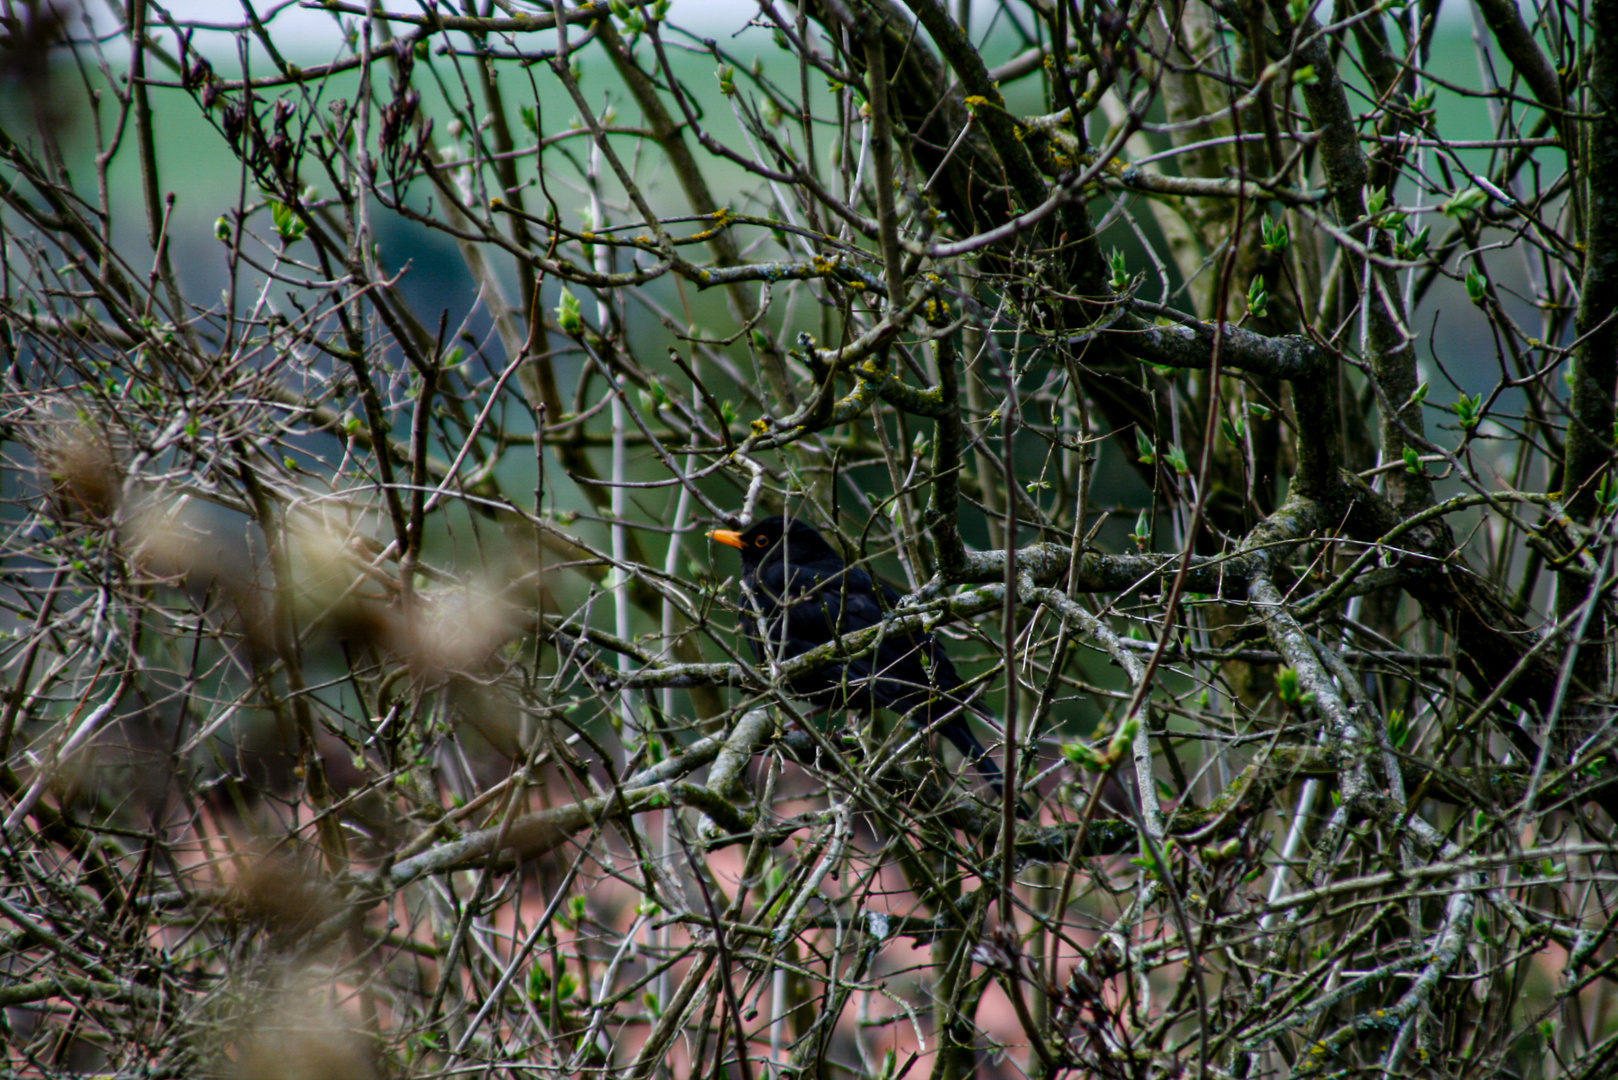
(311, 31)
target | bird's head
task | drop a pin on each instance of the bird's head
(777, 537)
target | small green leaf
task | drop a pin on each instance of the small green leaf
(286, 222)
(1175, 458)
(1469, 410)
(1258, 300)
(1143, 531)
(1144, 446)
(1083, 756)
(1120, 271)
(568, 314)
(1607, 495)
(1398, 728)
(1275, 236)
(1289, 688)
(1465, 203)
(1415, 247)
(539, 981)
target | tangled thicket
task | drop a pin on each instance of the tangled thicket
(1231, 385)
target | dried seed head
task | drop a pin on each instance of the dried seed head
(296, 1035)
(283, 896)
(82, 475)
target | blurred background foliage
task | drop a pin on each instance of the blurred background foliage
(373, 701)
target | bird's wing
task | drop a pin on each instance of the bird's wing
(913, 674)
(802, 607)
(851, 601)
(808, 605)
(907, 669)
(907, 673)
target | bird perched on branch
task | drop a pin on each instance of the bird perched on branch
(797, 593)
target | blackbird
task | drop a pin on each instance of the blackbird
(797, 593)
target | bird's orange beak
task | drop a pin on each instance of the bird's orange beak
(727, 536)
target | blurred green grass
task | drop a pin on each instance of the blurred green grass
(197, 167)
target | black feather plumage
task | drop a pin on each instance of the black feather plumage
(799, 593)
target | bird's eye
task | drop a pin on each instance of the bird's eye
(763, 541)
